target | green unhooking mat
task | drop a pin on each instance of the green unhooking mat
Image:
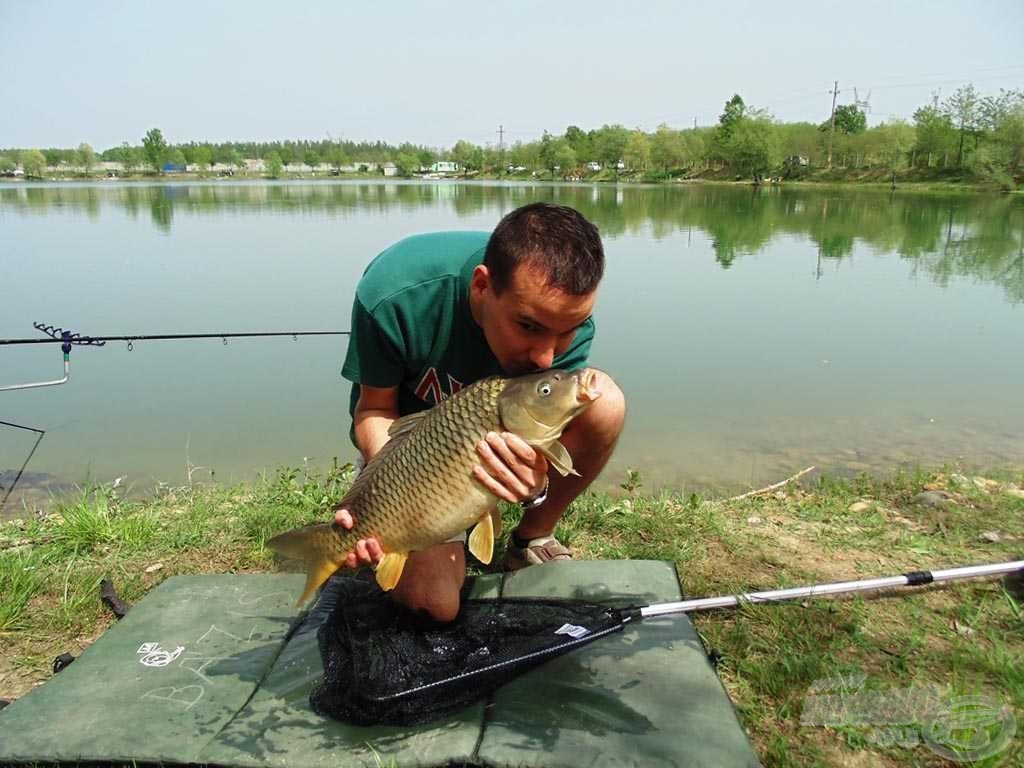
(209, 669)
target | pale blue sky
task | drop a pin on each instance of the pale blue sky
(104, 72)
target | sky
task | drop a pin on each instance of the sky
(105, 72)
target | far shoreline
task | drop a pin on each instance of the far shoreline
(871, 184)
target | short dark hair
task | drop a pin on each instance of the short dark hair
(556, 238)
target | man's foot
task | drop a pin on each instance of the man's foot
(536, 552)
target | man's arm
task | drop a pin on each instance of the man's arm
(376, 411)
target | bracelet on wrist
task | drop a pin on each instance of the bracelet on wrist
(536, 501)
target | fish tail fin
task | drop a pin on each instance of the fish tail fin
(307, 544)
(316, 575)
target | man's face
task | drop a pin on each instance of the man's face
(530, 323)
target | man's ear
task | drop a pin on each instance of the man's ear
(481, 280)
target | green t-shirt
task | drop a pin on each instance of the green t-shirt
(412, 327)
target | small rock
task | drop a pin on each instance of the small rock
(958, 479)
(961, 629)
(1015, 492)
(154, 567)
(984, 484)
(992, 536)
(860, 506)
(937, 499)
(780, 495)
(754, 520)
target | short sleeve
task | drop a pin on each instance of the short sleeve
(376, 350)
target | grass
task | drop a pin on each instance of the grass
(963, 637)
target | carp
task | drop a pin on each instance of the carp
(419, 489)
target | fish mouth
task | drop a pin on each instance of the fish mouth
(586, 391)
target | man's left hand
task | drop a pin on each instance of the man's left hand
(511, 469)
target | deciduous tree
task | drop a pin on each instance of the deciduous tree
(154, 147)
(33, 162)
(274, 165)
(85, 157)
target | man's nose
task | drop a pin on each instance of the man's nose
(542, 356)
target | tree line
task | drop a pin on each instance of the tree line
(968, 133)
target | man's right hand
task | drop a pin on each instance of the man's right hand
(367, 551)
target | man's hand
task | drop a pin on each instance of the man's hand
(367, 551)
(511, 469)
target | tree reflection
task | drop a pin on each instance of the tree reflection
(973, 235)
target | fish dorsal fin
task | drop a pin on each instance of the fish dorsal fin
(558, 457)
(389, 569)
(404, 425)
(399, 430)
(481, 540)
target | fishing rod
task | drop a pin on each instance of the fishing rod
(59, 336)
(67, 339)
(485, 655)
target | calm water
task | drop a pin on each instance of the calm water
(755, 332)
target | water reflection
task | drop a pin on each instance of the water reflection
(979, 236)
(757, 331)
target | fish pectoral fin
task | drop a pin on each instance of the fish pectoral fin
(389, 569)
(317, 574)
(559, 458)
(481, 539)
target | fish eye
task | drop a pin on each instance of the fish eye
(544, 389)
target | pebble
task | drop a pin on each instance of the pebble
(754, 520)
(992, 536)
(154, 567)
(936, 499)
(860, 506)
(961, 629)
(986, 485)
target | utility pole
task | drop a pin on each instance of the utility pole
(501, 149)
(832, 119)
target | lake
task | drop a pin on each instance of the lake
(755, 331)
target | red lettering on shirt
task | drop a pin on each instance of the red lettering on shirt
(429, 387)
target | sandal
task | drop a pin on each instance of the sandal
(536, 552)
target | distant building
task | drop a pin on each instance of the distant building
(389, 169)
(445, 166)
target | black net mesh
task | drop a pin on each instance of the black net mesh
(385, 665)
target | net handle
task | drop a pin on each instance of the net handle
(911, 579)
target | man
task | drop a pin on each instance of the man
(436, 312)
